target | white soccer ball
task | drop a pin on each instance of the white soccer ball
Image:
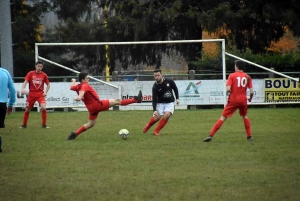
(124, 134)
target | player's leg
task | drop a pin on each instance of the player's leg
(135, 99)
(3, 109)
(155, 118)
(0, 144)
(167, 111)
(29, 104)
(227, 112)
(42, 103)
(83, 128)
(243, 112)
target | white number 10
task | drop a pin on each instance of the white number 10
(241, 81)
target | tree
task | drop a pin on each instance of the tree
(252, 24)
(26, 31)
(245, 24)
(131, 21)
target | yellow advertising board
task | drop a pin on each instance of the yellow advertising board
(281, 90)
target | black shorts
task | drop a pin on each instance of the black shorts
(3, 108)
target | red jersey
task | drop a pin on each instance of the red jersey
(90, 95)
(239, 82)
(36, 81)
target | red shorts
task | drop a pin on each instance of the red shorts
(33, 97)
(231, 107)
(97, 107)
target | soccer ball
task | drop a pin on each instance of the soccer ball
(123, 134)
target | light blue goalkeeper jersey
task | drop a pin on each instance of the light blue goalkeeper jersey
(7, 85)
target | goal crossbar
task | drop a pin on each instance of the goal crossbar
(132, 42)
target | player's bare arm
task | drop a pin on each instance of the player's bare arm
(228, 88)
(251, 95)
(175, 89)
(73, 81)
(47, 89)
(80, 96)
(23, 87)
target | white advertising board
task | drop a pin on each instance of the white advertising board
(191, 92)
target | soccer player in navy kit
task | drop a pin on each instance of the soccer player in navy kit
(162, 101)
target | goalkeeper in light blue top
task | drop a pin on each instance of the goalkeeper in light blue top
(7, 100)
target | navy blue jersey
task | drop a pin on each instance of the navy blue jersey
(162, 93)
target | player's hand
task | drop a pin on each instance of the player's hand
(23, 91)
(9, 110)
(155, 113)
(77, 99)
(177, 101)
(73, 80)
(249, 100)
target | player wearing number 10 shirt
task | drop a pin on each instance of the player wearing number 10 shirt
(237, 85)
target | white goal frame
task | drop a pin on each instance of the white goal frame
(223, 53)
(134, 43)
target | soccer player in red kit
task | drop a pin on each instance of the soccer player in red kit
(237, 85)
(36, 79)
(92, 102)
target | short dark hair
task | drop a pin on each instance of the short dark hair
(157, 70)
(39, 62)
(240, 64)
(82, 76)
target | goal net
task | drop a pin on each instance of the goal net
(194, 91)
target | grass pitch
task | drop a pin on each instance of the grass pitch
(39, 164)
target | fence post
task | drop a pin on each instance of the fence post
(65, 109)
(192, 77)
(114, 77)
(272, 75)
(191, 74)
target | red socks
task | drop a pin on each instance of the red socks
(216, 127)
(151, 122)
(25, 118)
(247, 126)
(219, 123)
(80, 130)
(128, 101)
(161, 124)
(44, 117)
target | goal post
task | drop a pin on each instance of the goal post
(262, 67)
(286, 93)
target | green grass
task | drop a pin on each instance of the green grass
(39, 164)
